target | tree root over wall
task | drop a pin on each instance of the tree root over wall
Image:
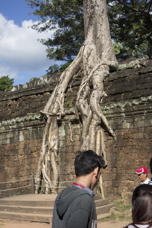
(95, 58)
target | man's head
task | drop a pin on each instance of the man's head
(142, 172)
(88, 164)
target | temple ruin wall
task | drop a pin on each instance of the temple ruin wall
(128, 108)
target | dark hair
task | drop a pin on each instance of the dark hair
(140, 191)
(86, 161)
(142, 204)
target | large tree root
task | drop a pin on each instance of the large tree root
(53, 110)
(92, 118)
(95, 59)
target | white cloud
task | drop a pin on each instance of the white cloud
(21, 50)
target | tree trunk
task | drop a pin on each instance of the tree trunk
(95, 57)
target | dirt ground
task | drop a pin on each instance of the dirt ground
(16, 224)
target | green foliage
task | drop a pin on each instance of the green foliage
(67, 18)
(131, 26)
(6, 83)
(57, 68)
(53, 69)
(117, 48)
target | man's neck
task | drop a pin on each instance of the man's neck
(84, 180)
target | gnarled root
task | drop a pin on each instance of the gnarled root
(48, 168)
(95, 57)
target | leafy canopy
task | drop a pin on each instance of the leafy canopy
(131, 26)
(67, 18)
(130, 23)
(6, 83)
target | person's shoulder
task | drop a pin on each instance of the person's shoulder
(83, 202)
(86, 196)
(74, 192)
(85, 199)
(150, 182)
(63, 192)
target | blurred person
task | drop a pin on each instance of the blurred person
(141, 207)
(142, 173)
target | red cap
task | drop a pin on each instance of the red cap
(141, 170)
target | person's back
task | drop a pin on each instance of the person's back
(74, 206)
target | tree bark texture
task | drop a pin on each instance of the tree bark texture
(96, 57)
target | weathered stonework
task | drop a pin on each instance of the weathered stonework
(128, 107)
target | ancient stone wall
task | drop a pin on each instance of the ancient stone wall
(21, 130)
(127, 107)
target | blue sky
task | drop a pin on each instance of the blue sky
(22, 56)
(17, 10)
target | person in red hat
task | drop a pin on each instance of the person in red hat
(142, 173)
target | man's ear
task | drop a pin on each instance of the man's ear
(96, 171)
